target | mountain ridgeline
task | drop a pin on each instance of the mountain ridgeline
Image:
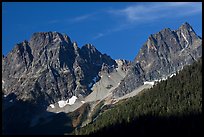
(163, 54)
(50, 77)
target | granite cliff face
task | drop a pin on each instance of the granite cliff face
(50, 67)
(163, 54)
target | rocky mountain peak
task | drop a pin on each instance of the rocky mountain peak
(162, 54)
(165, 31)
(186, 26)
(49, 68)
(48, 38)
(53, 73)
(186, 30)
(187, 36)
(25, 42)
(90, 47)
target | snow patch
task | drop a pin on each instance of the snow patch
(83, 102)
(3, 81)
(52, 105)
(11, 100)
(72, 100)
(174, 74)
(185, 40)
(158, 80)
(109, 76)
(62, 103)
(165, 78)
(149, 82)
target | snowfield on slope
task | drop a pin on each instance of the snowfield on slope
(70, 101)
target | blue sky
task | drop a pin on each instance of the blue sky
(116, 28)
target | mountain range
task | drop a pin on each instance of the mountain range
(52, 74)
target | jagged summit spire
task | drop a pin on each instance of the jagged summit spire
(40, 39)
(186, 26)
(49, 35)
(89, 46)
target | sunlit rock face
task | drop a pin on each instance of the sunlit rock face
(163, 54)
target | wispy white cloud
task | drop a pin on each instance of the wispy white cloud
(110, 31)
(72, 20)
(132, 15)
(98, 35)
(83, 17)
(154, 11)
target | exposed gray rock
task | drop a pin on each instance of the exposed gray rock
(49, 68)
(162, 54)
